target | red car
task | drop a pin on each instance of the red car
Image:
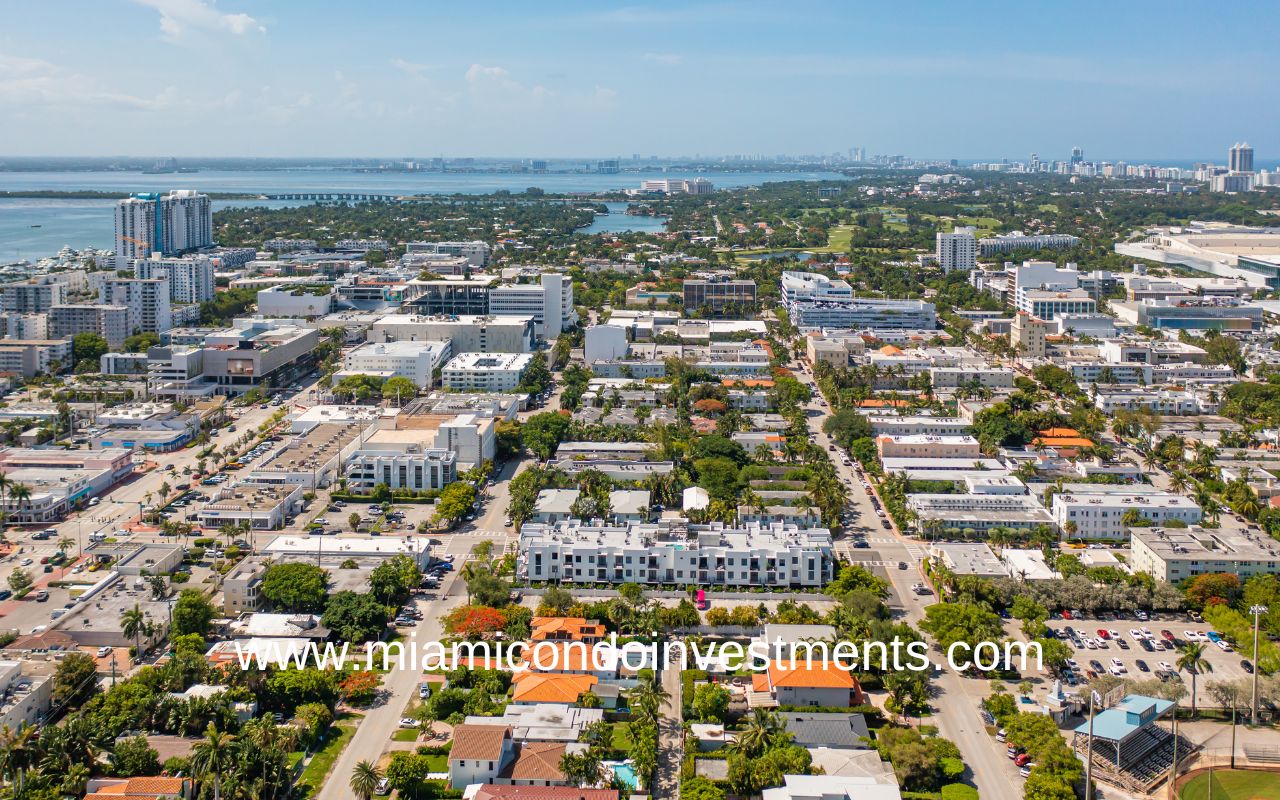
(1102, 633)
(1167, 635)
(1066, 614)
(1022, 760)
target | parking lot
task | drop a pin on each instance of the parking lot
(1121, 643)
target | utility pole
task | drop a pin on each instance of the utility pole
(1257, 611)
(1088, 761)
(1173, 768)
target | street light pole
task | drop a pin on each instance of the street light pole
(1257, 611)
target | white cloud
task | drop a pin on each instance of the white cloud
(410, 68)
(177, 17)
(27, 83)
(666, 59)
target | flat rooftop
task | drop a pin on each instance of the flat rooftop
(249, 497)
(1202, 543)
(313, 449)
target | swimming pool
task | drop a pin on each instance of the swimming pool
(625, 773)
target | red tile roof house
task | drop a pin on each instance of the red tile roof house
(148, 788)
(819, 685)
(490, 791)
(479, 754)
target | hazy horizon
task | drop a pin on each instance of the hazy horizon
(181, 78)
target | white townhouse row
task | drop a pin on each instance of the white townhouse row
(777, 555)
(1098, 511)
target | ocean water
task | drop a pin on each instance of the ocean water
(34, 228)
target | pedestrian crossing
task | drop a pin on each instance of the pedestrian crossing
(915, 551)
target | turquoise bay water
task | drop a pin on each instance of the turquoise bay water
(34, 228)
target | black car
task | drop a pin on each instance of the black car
(1146, 645)
(1246, 665)
(884, 523)
(1142, 666)
(1121, 643)
(902, 565)
(861, 544)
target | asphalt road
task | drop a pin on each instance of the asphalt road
(400, 686)
(956, 698)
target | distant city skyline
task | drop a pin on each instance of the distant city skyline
(982, 81)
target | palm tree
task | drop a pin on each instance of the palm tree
(207, 757)
(1178, 481)
(762, 727)
(365, 779)
(1191, 658)
(132, 623)
(65, 543)
(5, 483)
(20, 493)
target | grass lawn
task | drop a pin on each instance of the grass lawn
(1048, 207)
(1237, 785)
(313, 775)
(622, 737)
(438, 763)
(405, 735)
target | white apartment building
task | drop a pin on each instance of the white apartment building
(147, 300)
(109, 322)
(957, 250)
(776, 555)
(549, 302)
(916, 445)
(798, 287)
(476, 253)
(167, 224)
(1161, 401)
(486, 372)
(295, 301)
(123, 364)
(190, 279)
(472, 437)
(31, 298)
(989, 377)
(466, 333)
(1099, 514)
(1048, 305)
(604, 343)
(1173, 554)
(404, 461)
(416, 361)
(893, 425)
(1020, 241)
(24, 326)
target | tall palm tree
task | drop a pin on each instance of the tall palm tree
(65, 543)
(1179, 482)
(763, 726)
(1191, 658)
(207, 757)
(365, 779)
(20, 493)
(5, 483)
(132, 623)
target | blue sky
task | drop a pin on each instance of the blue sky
(1132, 80)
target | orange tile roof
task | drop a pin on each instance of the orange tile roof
(577, 629)
(878, 403)
(758, 383)
(555, 656)
(806, 676)
(537, 761)
(1064, 441)
(550, 687)
(890, 350)
(146, 786)
(484, 742)
(1059, 432)
(759, 682)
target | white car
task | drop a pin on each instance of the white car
(1147, 634)
(1089, 643)
(1117, 664)
(1223, 645)
(1113, 634)
(408, 722)
(1191, 636)
(1116, 670)
(1166, 666)
(104, 651)
(26, 562)
(1071, 662)
(1136, 634)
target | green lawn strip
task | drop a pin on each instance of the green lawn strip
(314, 774)
(1237, 785)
